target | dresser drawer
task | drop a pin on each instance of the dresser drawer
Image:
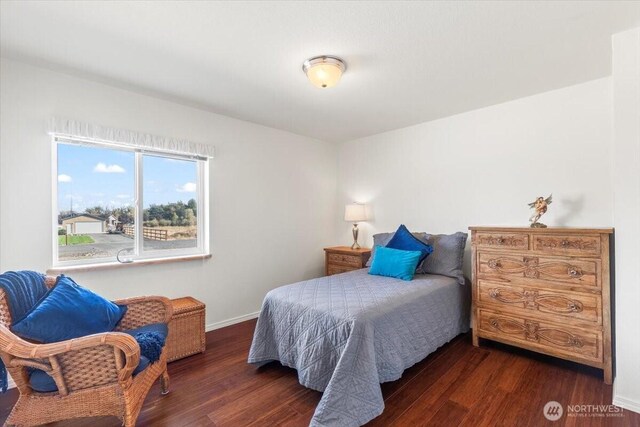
(570, 245)
(347, 260)
(541, 336)
(337, 269)
(535, 270)
(502, 240)
(523, 300)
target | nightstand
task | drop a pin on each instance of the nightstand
(339, 259)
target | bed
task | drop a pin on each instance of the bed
(347, 333)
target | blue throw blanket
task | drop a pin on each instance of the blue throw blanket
(151, 344)
(23, 289)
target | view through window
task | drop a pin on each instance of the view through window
(104, 193)
(170, 207)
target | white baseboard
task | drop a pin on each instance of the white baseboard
(209, 327)
(624, 402)
(232, 321)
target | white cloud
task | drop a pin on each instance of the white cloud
(189, 187)
(64, 178)
(123, 196)
(116, 203)
(104, 168)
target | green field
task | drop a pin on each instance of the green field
(75, 239)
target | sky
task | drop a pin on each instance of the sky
(90, 176)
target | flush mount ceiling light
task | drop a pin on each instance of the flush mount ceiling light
(324, 71)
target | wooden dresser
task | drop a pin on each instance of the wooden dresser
(546, 290)
(340, 259)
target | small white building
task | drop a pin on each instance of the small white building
(84, 224)
(112, 223)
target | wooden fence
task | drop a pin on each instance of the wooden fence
(128, 230)
(147, 232)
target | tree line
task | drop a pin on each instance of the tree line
(169, 214)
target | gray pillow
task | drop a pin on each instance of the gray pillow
(381, 239)
(447, 256)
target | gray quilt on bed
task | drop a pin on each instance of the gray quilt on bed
(345, 334)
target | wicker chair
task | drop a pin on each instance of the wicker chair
(93, 374)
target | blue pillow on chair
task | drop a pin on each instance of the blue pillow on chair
(68, 311)
(404, 240)
(395, 263)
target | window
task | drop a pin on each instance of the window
(118, 203)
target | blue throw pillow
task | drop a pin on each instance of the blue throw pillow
(404, 240)
(68, 311)
(395, 263)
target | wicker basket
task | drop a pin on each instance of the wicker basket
(186, 329)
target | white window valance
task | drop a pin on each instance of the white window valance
(65, 128)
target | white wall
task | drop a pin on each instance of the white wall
(272, 192)
(626, 187)
(484, 166)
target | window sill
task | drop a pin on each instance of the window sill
(110, 265)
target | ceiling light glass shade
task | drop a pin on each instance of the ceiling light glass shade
(324, 71)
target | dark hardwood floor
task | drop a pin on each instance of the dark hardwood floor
(493, 385)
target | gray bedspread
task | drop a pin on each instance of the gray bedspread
(345, 334)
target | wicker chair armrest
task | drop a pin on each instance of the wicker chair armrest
(144, 311)
(125, 350)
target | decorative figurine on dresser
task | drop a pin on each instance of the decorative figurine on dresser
(539, 206)
(546, 290)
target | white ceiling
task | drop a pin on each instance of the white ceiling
(408, 62)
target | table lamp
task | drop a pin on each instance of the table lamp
(355, 213)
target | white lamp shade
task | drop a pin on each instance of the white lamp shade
(355, 212)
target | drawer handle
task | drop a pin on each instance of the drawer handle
(564, 243)
(574, 271)
(500, 240)
(494, 264)
(573, 306)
